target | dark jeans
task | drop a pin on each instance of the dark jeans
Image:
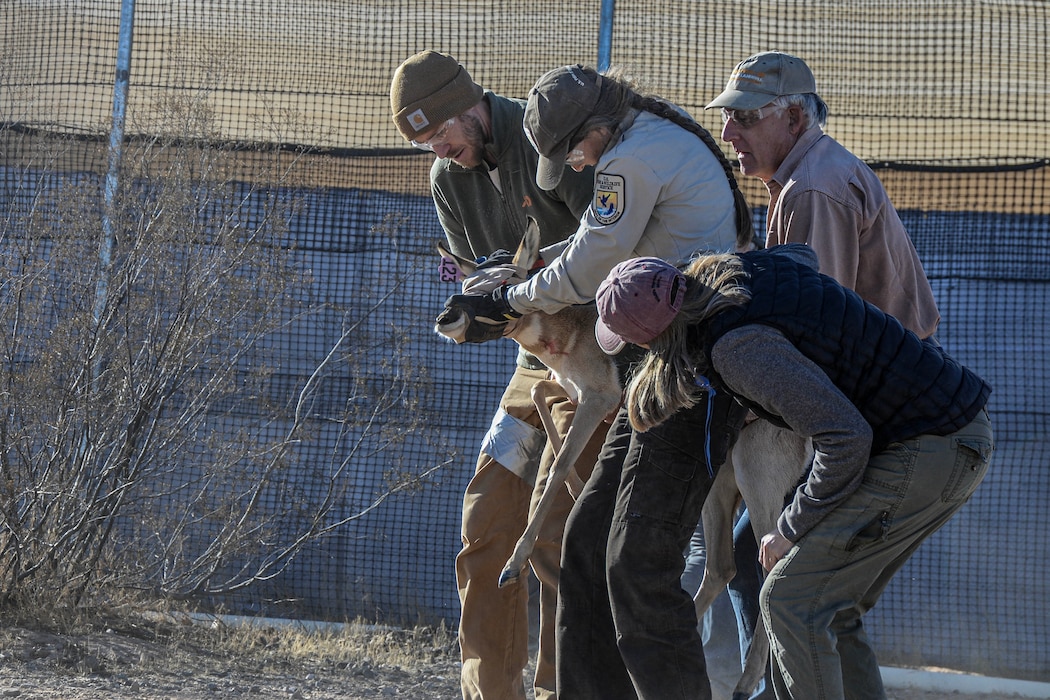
(625, 627)
(744, 589)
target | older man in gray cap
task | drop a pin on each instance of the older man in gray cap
(822, 195)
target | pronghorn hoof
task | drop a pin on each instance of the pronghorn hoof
(508, 577)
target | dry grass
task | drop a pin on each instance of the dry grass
(290, 641)
(192, 657)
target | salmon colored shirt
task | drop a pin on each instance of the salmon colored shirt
(824, 196)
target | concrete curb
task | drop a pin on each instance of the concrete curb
(962, 683)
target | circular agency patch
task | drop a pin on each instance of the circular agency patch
(609, 198)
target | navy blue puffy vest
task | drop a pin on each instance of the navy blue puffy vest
(903, 386)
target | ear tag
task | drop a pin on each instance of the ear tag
(449, 271)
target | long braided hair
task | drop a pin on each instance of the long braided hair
(745, 228)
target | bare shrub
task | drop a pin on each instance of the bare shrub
(150, 443)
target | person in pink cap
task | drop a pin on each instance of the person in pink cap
(900, 433)
(624, 317)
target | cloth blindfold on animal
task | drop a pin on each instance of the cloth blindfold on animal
(484, 277)
(484, 280)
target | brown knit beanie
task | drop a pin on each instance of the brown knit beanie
(428, 89)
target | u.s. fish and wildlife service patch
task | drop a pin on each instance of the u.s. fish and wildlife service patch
(609, 198)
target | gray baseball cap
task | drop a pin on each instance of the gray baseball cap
(559, 103)
(758, 80)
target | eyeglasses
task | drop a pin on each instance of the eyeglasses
(575, 157)
(440, 137)
(747, 118)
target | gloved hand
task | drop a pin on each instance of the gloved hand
(491, 307)
(487, 315)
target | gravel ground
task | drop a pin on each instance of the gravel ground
(119, 666)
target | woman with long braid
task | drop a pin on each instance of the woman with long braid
(625, 628)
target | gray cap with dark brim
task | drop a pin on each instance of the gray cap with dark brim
(758, 80)
(559, 103)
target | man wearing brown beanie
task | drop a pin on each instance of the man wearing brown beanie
(484, 186)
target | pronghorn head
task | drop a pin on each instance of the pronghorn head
(480, 279)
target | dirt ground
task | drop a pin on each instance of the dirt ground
(110, 665)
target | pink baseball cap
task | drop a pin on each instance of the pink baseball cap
(637, 302)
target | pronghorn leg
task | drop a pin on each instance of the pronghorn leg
(540, 392)
(717, 517)
(589, 415)
(769, 463)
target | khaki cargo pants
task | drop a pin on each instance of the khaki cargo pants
(494, 625)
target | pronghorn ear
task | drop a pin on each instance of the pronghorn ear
(467, 267)
(529, 248)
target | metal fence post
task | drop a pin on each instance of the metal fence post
(605, 29)
(116, 152)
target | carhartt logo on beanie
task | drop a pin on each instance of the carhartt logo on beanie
(428, 89)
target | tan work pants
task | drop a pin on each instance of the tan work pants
(494, 627)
